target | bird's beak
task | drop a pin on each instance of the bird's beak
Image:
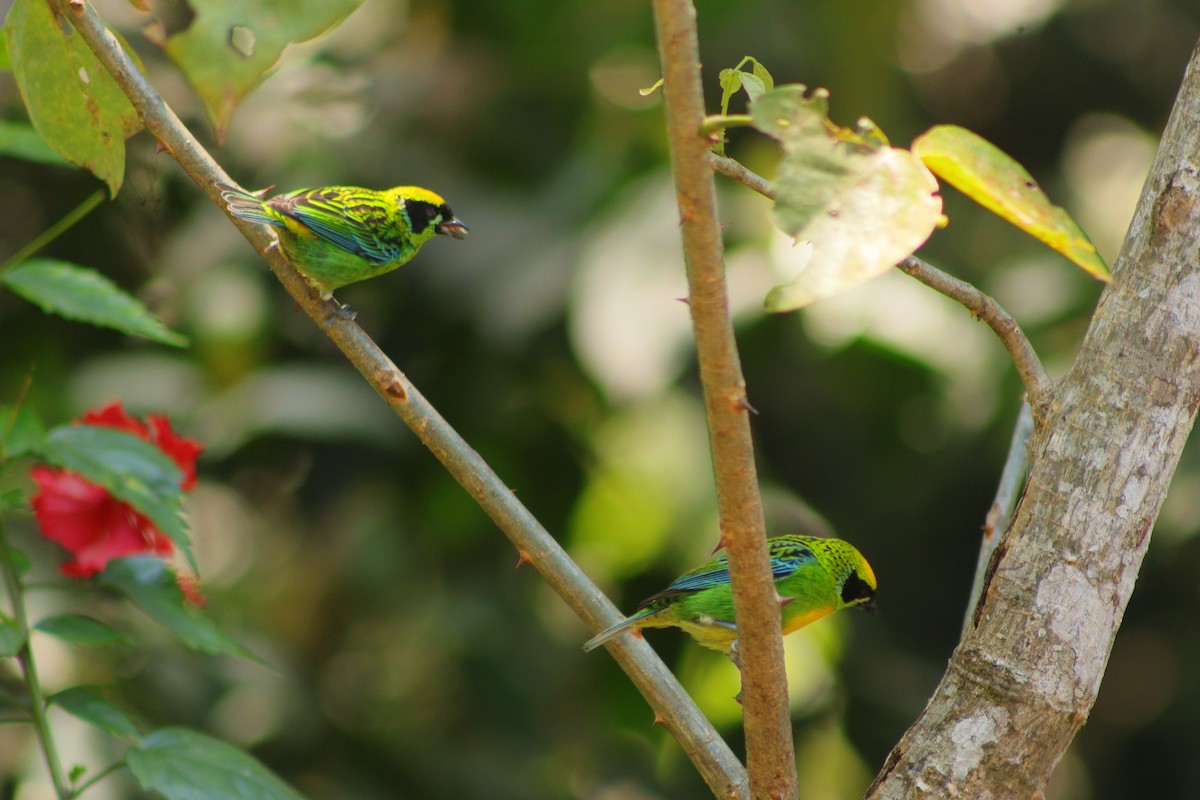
(868, 606)
(453, 227)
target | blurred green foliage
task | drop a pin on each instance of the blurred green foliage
(409, 659)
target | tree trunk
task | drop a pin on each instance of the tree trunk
(1025, 676)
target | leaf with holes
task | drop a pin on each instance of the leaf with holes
(862, 204)
(73, 102)
(229, 47)
(990, 177)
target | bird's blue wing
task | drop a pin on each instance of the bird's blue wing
(350, 218)
(786, 558)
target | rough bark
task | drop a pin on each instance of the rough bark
(1109, 436)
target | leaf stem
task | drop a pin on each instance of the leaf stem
(99, 776)
(33, 684)
(54, 231)
(714, 123)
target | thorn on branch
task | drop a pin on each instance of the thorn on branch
(522, 559)
(392, 385)
(742, 403)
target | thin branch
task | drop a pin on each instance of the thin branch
(732, 168)
(1008, 492)
(770, 756)
(54, 231)
(671, 704)
(1037, 383)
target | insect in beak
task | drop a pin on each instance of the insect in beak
(453, 227)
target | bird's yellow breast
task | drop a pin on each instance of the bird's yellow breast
(798, 621)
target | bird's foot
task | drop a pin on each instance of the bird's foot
(338, 312)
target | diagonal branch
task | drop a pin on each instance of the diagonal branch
(770, 756)
(672, 706)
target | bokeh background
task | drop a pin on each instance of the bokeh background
(407, 658)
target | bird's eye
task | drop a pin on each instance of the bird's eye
(856, 589)
(421, 214)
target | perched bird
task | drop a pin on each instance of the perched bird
(337, 235)
(813, 576)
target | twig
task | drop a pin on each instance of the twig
(1008, 492)
(770, 756)
(33, 684)
(1025, 359)
(732, 168)
(671, 704)
(54, 231)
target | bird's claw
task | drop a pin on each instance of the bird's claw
(338, 312)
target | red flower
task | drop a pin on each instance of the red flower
(90, 523)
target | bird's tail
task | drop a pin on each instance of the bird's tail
(636, 621)
(248, 205)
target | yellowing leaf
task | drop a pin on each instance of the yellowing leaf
(864, 231)
(73, 102)
(990, 177)
(863, 205)
(231, 44)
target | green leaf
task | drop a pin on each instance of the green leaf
(11, 640)
(757, 82)
(20, 434)
(82, 294)
(21, 140)
(13, 498)
(78, 629)
(72, 101)
(19, 560)
(87, 704)
(761, 73)
(182, 764)
(990, 177)
(862, 204)
(230, 46)
(148, 583)
(131, 469)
